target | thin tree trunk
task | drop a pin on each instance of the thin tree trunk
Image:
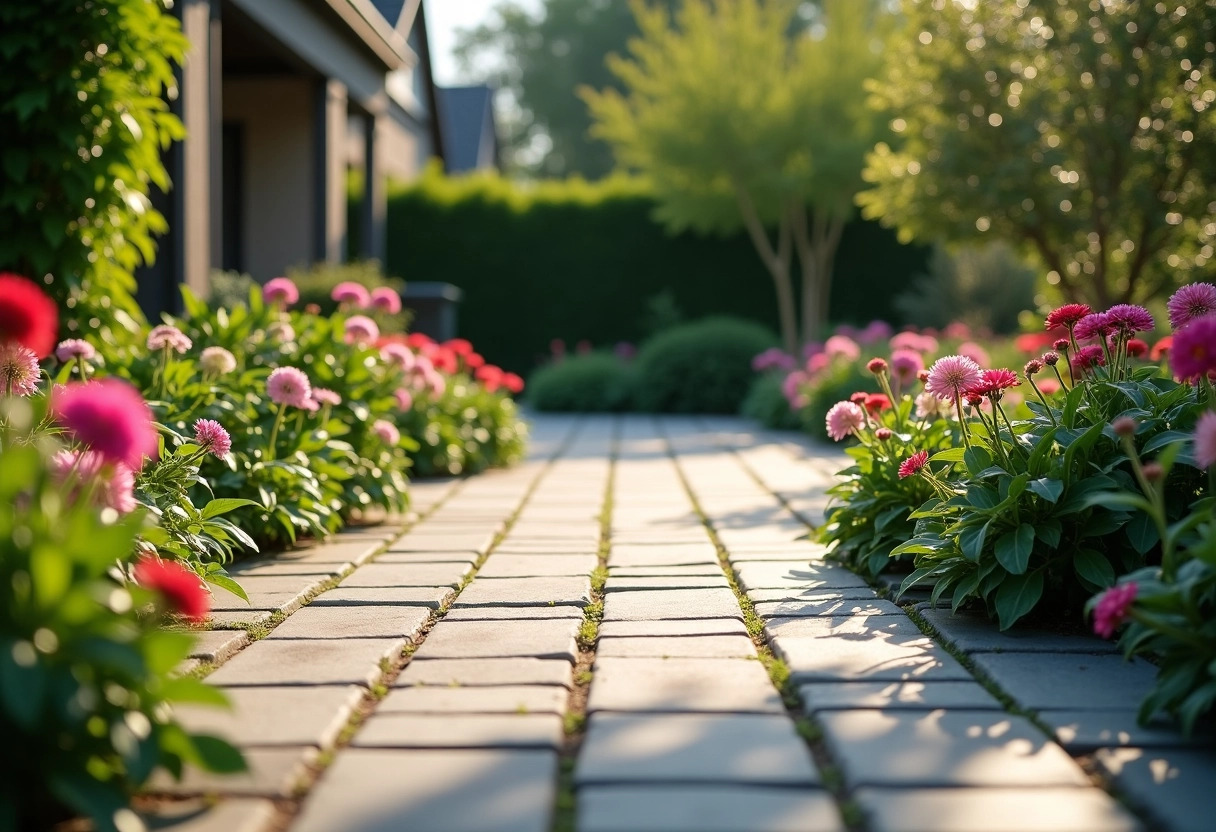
(777, 261)
(817, 247)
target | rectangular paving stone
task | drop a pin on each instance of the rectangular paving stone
(506, 699)
(512, 613)
(274, 568)
(708, 647)
(1040, 681)
(335, 621)
(409, 596)
(352, 661)
(547, 547)
(914, 696)
(860, 593)
(526, 592)
(945, 748)
(477, 672)
(1041, 809)
(1084, 731)
(217, 645)
(408, 574)
(267, 716)
(695, 554)
(659, 604)
(428, 557)
(674, 627)
(860, 648)
(801, 552)
(784, 575)
(1174, 787)
(442, 542)
(694, 748)
(340, 550)
(835, 607)
(272, 772)
(974, 633)
(708, 570)
(415, 730)
(709, 808)
(622, 583)
(682, 685)
(237, 619)
(501, 565)
(365, 791)
(232, 815)
(546, 639)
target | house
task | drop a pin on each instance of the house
(470, 136)
(279, 99)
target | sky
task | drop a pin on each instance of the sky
(443, 18)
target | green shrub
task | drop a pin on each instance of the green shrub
(766, 403)
(986, 287)
(595, 383)
(318, 280)
(229, 289)
(84, 127)
(702, 367)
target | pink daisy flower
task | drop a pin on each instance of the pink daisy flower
(911, 466)
(168, 337)
(109, 416)
(351, 294)
(993, 383)
(116, 482)
(1113, 608)
(217, 361)
(1093, 326)
(398, 355)
(842, 346)
(843, 419)
(386, 300)
(1193, 352)
(1127, 318)
(1205, 440)
(387, 432)
(19, 371)
(1197, 300)
(212, 437)
(74, 348)
(952, 376)
(405, 399)
(325, 396)
(281, 292)
(361, 329)
(906, 366)
(289, 386)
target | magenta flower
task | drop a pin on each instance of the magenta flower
(906, 366)
(874, 332)
(1113, 608)
(212, 437)
(387, 432)
(289, 386)
(923, 344)
(773, 359)
(1198, 300)
(19, 371)
(168, 337)
(993, 383)
(324, 396)
(845, 418)
(281, 292)
(1127, 318)
(115, 482)
(386, 300)
(361, 329)
(1067, 315)
(405, 399)
(842, 346)
(110, 417)
(1087, 358)
(911, 466)
(1193, 353)
(952, 376)
(217, 361)
(1093, 326)
(1205, 440)
(353, 294)
(399, 355)
(74, 348)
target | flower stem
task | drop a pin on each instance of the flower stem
(274, 432)
(1046, 406)
(962, 423)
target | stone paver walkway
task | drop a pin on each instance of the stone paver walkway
(482, 671)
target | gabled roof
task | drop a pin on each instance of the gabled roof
(467, 117)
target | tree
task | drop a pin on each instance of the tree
(751, 113)
(1082, 131)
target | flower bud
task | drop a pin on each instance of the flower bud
(922, 376)
(877, 366)
(1125, 426)
(975, 401)
(1033, 366)
(883, 434)
(1061, 345)
(1050, 358)
(1153, 472)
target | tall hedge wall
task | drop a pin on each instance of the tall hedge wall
(576, 260)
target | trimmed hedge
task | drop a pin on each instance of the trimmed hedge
(598, 382)
(703, 367)
(573, 260)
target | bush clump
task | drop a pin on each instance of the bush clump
(598, 382)
(766, 403)
(702, 367)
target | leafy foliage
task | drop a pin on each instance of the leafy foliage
(766, 403)
(594, 383)
(986, 287)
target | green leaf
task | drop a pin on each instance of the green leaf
(217, 755)
(971, 541)
(1017, 596)
(224, 505)
(1093, 569)
(1142, 532)
(982, 497)
(224, 582)
(1013, 548)
(976, 459)
(949, 455)
(1047, 488)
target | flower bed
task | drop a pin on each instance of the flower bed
(1089, 494)
(134, 471)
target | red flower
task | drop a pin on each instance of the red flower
(491, 377)
(1067, 315)
(417, 340)
(877, 366)
(1034, 342)
(27, 315)
(1136, 348)
(912, 465)
(1161, 348)
(513, 383)
(877, 403)
(993, 383)
(1088, 357)
(460, 346)
(883, 434)
(178, 585)
(1061, 345)
(443, 359)
(859, 397)
(474, 360)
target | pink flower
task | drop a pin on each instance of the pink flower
(288, 385)
(845, 418)
(217, 361)
(398, 355)
(952, 376)
(1127, 318)
(974, 351)
(773, 359)
(281, 292)
(437, 384)
(993, 383)
(914, 341)
(74, 348)
(1193, 352)
(911, 466)
(387, 432)
(906, 366)
(1198, 300)
(1113, 608)
(109, 416)
(1093, 326)
(351, 294)
(405, 399)
(790, 386)
(1067, 315)
(877, 366)
(168, 337)
(324, 396)
(212, 437)
(929, 406)
(841, 346)
(957, 329)
(818, 362)
(361, 329)
(1205, 440)
(1033, 367)
(874, 332)
(386, 300)
(115, 483)
(883, 434)
(19, 371)
(1087, 358)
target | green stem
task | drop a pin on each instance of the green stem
(274, 432)
(1046, 406)
(164, 372)
(885, 383)
(962, 422)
